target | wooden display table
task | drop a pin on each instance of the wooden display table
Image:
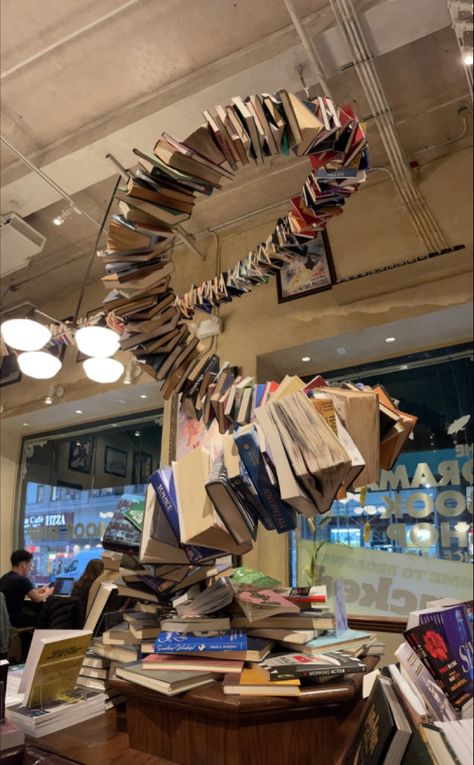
(204, 727)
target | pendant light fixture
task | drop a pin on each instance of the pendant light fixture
(96, 341)
(25, 334)
(103, 370)
(39, 364)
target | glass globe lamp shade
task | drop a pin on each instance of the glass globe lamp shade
(103, 370)
(98, 342)
(25, 334)
(39, 364)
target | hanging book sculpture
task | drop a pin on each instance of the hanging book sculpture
(161, 194)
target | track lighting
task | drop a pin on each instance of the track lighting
(63, 217)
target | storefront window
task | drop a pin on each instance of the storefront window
(71, 483)
(423, 506)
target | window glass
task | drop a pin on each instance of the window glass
(71, 484)
(423, 506)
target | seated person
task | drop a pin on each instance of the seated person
(15, 586)
(81, 588)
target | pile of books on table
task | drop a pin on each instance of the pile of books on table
(420, 710)
(226, 628)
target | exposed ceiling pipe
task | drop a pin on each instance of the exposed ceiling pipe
(387, 118)
(59, 190)
(309, 47)
(421, 216)
(77, 32)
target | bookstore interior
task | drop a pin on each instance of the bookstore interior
(236, 375)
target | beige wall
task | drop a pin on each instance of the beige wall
(374, 231)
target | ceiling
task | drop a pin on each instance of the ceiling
(89, 77)
(438, 329)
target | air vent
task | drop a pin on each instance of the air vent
(18, 243)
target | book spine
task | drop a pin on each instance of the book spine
(282, 515)
(187, 643)
(282, 673)
(241, 487)
(167, 504)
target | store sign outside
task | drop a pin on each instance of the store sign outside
(449, 503)
(386, 584)
(62, 526)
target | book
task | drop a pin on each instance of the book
(159, 542)
(282, 515)
(198, 521)
(174, 642)
(195, 624)
(299, 637)
(53, 664)
(298, 620)
(96, 684)
(238, 516)
(289, 666)
(454, 626)
(115, 652)
(411, 700)
(121, 535)
(359, 414)
(100, 601)
(264, 604)
(349, 641)
(430, 645)
(384, 731)
(254, 681)
(256, 650)
(421, 681)
(100, 674)
(172, 663)
(163, 681)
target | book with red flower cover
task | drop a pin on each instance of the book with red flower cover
(430, 645)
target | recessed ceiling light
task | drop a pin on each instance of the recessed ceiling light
(114, 425)
(121, 401)
(404, 366)
(25, 424)
(79, 411)
(306, 358)
(143, 395)
(137, 434)
(390, 339)
(341, 351)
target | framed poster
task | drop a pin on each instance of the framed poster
(309, 273)
(115, 462)
(142, 467)
(80, 454)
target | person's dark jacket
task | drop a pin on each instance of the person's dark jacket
(61, 613)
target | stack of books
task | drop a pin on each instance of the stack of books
(95, 675)
(221, 628)
(161, 194)
(420, 710)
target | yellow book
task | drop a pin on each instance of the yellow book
(255, 681)
(290, 384)
(53, 664)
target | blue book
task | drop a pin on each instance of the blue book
(162, 481)
(283, 516)
(333, 640)
(180, 642)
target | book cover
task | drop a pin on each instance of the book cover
(121, 535)
(175, 642)
(429, 643)
(53, 664)
(455, 627)
(283, 516)
(293, 665)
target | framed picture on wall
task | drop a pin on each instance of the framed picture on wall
(142, 467)
(115, 461)
(80, 454)
(309, 273)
